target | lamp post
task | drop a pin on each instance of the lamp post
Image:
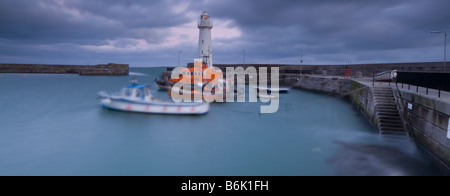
(179, 52)
(301, 55)
(445, 47)
(244, 55)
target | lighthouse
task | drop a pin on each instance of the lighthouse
(204, 39)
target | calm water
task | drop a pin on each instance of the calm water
(52, 125)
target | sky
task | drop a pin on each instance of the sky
(150, 33)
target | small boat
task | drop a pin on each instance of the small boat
(386, 76)
(164, 84)
(280, 90)
(137, 98)
(268, 96)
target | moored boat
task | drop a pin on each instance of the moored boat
(269, 89)
(137, 98)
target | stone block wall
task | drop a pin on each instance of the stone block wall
(428, 120)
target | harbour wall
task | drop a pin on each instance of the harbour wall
(360, 94)
(101, 69)
(328, 84)
(289, 73)
(362, 97)
(426, 118)
(358, 70)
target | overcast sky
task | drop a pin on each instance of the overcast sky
(151, 32)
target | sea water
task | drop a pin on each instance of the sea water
(52, 125)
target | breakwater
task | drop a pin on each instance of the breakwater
(428, 119)
(360, 70)
(101, 69)
(425, 117)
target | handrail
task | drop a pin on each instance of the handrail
(403, 116)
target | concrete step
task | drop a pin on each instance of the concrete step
(394, 111)
(392, 129)
(392, 132)
(384, 102)
(388, 117)
(387, 107)
(384, 98)
(390, 122)
(397, 117)
(396, 125)
(382, 93)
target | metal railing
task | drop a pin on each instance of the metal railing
(436, 81)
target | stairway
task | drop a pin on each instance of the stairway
(388, 117)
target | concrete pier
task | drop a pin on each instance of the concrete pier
(102, 69)
(393, 109)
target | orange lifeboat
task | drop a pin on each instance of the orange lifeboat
(198, 79)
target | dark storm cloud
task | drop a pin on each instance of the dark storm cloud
(328, 31)
(333, 27)
(83, 21)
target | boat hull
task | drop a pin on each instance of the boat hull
(280, 90)
(154, 107)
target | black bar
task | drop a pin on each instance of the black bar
(424, 79)
(417, 89)
(439, 95)
(427, 91)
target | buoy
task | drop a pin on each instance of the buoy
(24, 75)
(1, 76)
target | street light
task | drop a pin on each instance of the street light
(244, 55)
(445, 47)
(179, 52)
(301, 54)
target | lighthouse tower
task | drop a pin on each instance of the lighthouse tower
(204, 39)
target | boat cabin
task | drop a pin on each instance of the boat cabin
(136, 92)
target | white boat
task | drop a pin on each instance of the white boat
(268, 96)
(137, 98)
(280, 90)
